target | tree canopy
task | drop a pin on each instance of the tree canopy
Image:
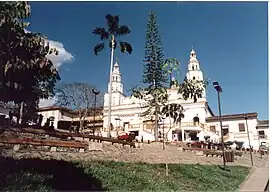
(26, 74)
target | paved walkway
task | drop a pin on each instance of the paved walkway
(257, 179)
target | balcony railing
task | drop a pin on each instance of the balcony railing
(262, 136)
(192, 124)
(184, 124)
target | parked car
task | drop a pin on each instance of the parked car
(264, 147)
(127, 137)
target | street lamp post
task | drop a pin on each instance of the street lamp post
(219, 90)
(250, 152)
(96, 92)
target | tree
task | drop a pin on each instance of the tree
(191, 89)
(153, 74)
(78, 96)
(26, 74)
(111, 35)
(173, 111)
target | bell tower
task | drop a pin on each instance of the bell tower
(194, 71)
(117, 88)
(117, 85)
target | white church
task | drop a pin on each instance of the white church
(198, 121)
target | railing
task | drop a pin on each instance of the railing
(192, 124)
(185, 124)
(262, 136)
(244, 135)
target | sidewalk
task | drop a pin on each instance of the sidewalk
(257, 179)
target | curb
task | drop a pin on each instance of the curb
(267, 186)
(247, 177)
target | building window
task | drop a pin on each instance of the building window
(193, 78)
(241, 127)
(192, 67)
(116, 78)
(225, 129)
(261, 133)
(213, 128)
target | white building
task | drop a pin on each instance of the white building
(236, 128)
(126, 113)
(58, 114)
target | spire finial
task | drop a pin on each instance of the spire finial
(192, 47)
(116, 59)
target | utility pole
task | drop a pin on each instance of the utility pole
(250, 152)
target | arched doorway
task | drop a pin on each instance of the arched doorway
(193, 135)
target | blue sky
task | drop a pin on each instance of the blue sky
(230, 40)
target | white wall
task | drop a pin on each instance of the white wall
(56, 114)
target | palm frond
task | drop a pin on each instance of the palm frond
(113, 23)
(123, 30)
(101, 32)
(98, 48)
(125, 47)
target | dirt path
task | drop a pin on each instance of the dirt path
(150, 153)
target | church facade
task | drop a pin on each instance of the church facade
(198, 121)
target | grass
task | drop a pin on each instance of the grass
(52, 175)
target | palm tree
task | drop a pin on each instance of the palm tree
(110, 35)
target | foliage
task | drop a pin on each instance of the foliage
(78, 96)
(26, 74)
(153, 74)
(112, 33)
(44, 175)
(171, 65)
(173, 110)
(191, 89)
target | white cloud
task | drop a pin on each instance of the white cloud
(63, 57)
(58, 60)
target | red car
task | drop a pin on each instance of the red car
(127, 137)
(123, 137)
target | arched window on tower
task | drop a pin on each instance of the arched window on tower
(192, 67)
(196, 121)
(115, 78)
(193, 78)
